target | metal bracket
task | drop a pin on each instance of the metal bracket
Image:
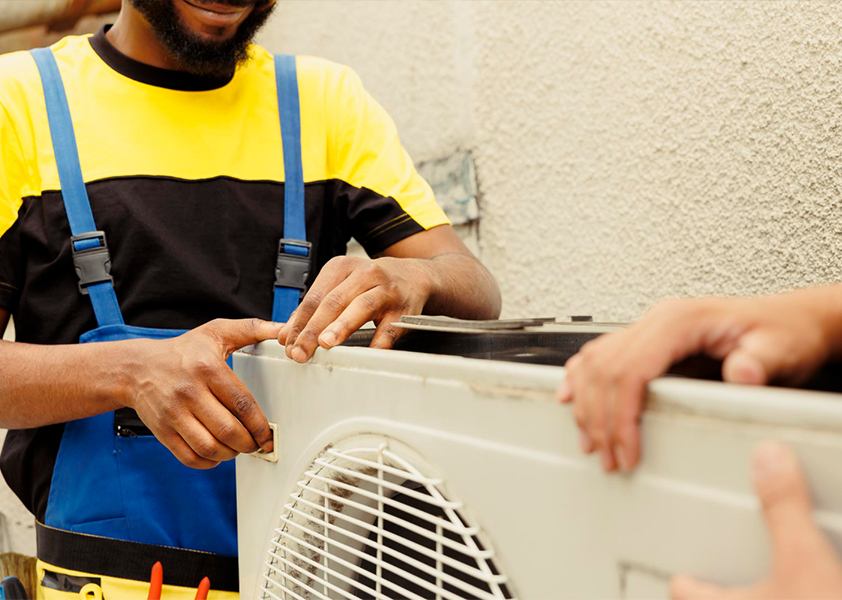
(272, 456)
(438, 323)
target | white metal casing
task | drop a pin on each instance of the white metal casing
(559, 526)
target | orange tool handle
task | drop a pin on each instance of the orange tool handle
(156, 582)
(204, 588)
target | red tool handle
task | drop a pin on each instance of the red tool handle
(156, 582)
(204, 588)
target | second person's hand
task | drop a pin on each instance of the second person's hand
(783, 338)
(804, 564)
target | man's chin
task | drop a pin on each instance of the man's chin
(214, 23)
(196, 40)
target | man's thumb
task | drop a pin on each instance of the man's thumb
(234, 334)
(782, 489)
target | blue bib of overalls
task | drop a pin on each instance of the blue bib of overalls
(130, 487)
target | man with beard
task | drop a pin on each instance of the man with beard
(155, 177)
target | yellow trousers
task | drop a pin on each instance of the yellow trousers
(123, 589)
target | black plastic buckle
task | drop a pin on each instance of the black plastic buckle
(93, 265)
(291, 270)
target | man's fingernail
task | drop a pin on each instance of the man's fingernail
(328, 338)
(620, 453)
(299, 355)
(585, 442)
(563, 391)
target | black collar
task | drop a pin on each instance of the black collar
(165, 78)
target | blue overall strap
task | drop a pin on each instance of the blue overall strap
(88, 246)
(293, 264)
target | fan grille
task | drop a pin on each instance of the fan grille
(366, 523)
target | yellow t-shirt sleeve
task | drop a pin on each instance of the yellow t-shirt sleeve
(12, 171)
(366, 152)
(17, 74)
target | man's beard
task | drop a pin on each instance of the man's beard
(195, 54)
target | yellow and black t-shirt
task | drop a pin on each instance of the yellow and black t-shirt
(185, 176)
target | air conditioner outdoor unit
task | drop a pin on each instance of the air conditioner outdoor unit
(413, 474)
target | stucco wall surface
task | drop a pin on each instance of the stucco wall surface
(625, 151)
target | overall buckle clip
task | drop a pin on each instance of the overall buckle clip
(92, 262)
(291, 268)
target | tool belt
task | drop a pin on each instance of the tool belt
(131, 560)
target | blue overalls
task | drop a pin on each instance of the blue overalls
(131, 487)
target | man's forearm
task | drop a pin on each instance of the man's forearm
(42, 385)
(461, 287)
(181, 388)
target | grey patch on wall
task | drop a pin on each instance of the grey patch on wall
(454, 182)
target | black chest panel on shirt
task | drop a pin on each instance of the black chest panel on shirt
(183, 253)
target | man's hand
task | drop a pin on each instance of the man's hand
(430, 272)
(348, 293)
(803, 563)
(186, 394)
(783, 338)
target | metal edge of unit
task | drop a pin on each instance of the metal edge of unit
(764, 405)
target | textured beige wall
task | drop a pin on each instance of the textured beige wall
(625, 150)
(34, 37)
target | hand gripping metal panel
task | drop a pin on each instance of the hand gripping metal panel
(476, 456)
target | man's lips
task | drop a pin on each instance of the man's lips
(218, 7)
(217, 13)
